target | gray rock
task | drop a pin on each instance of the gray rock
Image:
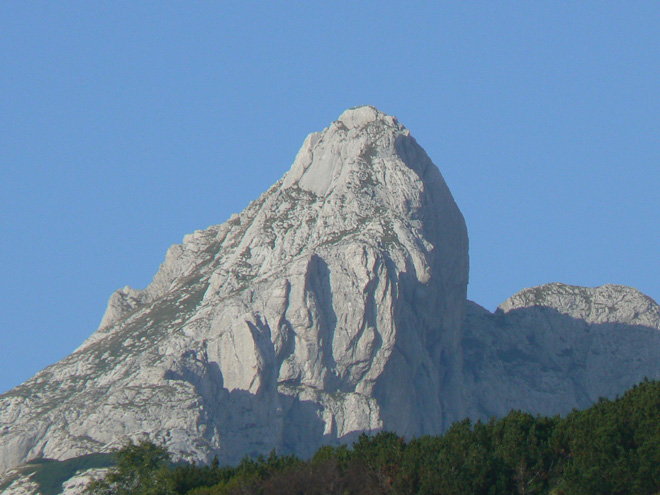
(334, 304)
(331, 306)
(556, 347)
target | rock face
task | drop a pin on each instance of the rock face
(333, 304)
(330, 306)
(556, 347)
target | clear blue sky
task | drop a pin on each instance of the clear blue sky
(125, 125)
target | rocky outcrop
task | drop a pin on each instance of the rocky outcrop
(331, 306)
(556, 347)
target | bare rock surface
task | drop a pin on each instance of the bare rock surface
(556, 347)
(334, 304)
(330, 306)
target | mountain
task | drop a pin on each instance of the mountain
(332, 305)
(557, 347)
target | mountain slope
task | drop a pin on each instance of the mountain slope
(556, 347)
(331, 305)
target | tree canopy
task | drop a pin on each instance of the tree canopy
(611, 448)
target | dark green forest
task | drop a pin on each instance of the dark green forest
(611, 448)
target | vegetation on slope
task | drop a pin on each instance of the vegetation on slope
(611, 448)
(51, 474)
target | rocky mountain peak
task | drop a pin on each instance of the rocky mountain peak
(360, 116)
(354, 153)
(605, 304)
(334, 304)
(330, 306)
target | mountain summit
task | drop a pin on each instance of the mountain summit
(330, 306)
(334, 304)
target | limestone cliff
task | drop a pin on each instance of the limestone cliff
(556, 347)
(334, 304)
(330, 306)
